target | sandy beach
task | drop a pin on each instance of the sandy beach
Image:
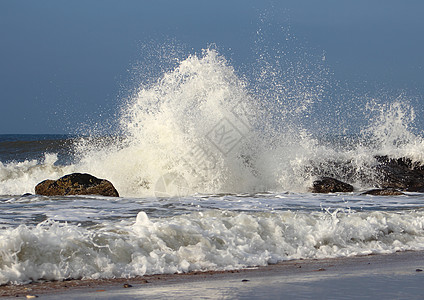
(392, 276)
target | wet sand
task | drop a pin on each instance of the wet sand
(393, 276)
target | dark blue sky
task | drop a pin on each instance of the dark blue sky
(64, 64)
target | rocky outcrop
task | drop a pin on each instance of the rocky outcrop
(331, 185)
(400, 173)
(384, 173)
(76, 184)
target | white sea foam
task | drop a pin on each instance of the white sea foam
(209, 240)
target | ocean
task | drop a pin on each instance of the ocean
(213, 174)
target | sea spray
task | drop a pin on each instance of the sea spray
(392, 132)
(196, 121)
(18, 178)
(203, 123)
(201, 127)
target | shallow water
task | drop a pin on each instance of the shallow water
(32, 209)
(391, 276)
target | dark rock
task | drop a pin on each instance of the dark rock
(331, 185)
(76, 184)
(384, 192)
(400, 173)
(345, 171)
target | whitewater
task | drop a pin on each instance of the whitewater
(214, 173)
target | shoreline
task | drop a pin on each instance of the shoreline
(287, 278)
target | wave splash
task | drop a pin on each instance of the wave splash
(203, 128)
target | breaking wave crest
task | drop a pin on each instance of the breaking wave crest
(211, 240)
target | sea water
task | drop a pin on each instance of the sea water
(214, 173)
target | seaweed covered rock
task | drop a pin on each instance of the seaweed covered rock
(76, 184)
(331, 185)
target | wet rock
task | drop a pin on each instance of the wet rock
(344, 171)
(383, 192)
(331, 185)
(76, 184)
(400, 173)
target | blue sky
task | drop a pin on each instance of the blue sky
(68, 63)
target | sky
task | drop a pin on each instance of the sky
(66, 65)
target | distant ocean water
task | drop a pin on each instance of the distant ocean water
(212, 176)
(21, 147)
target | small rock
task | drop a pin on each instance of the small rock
(331, 185)
(384, 192)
